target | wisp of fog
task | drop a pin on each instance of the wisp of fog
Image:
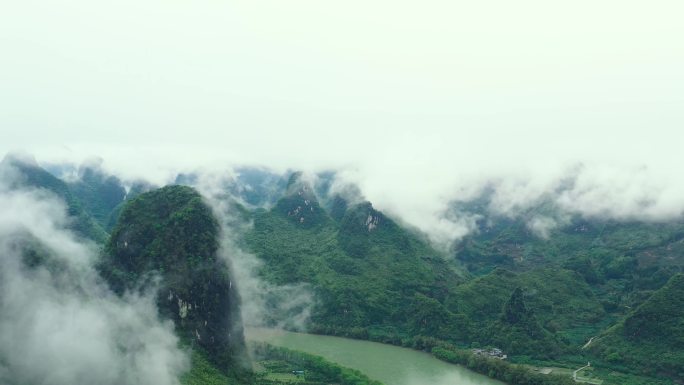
(59, 322)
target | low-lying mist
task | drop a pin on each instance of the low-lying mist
(59, 322)
(430, 190)
(263, 303)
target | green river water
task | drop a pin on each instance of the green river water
(389, 364)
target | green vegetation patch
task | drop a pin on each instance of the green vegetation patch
(286, 366)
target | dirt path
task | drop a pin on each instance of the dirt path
(588, 343)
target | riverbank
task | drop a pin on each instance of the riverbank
(484, 368)
(389, 364)
(487, 369)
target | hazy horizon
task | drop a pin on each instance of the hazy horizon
(418, 104)
(551, 112)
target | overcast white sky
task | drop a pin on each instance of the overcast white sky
(417, 96)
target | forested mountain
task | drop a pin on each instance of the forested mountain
(99, 193)
(624, 259)
(251, 186)
(539, 295)
(650, 338)
(27, 174)
(370, 276)
(560, 302)
(167, 239)
(374, 279)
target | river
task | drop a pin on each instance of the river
(389, 364)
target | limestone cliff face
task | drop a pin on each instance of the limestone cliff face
(168, 239)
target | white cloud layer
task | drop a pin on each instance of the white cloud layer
(59, 323)
(420, 103)
(262, 303)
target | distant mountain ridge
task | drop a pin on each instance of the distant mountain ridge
(100, 193)
(537, 295)
(31, 175)
(365, 272)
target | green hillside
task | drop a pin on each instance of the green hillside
(649, 340)
(562, 304)
(29, 175)
(99, 193)
(539, 299)
(370, 276)
(171, 234)
(374, 279)
(536, 298)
